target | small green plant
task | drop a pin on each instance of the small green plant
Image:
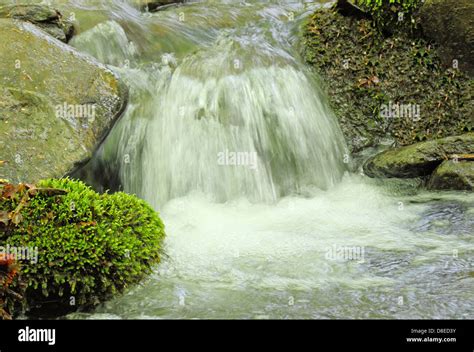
(392, 15)
(90, 246)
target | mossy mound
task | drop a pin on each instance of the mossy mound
(90, 246)
(364, 71)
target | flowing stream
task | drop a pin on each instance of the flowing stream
(229, 136)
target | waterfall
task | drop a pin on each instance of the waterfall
(237, 117)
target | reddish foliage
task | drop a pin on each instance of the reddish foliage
(6, 259)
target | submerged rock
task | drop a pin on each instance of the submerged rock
(45, 17)
(57, 104)
(419, 159)
(450, 23)
(453, 175)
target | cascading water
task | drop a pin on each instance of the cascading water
(237, 117)
(228, 135)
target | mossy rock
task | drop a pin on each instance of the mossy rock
(363, 71)
(450, 23)
(419, 159)
(22, 115)
(48, 93)
(48, 19)
(82, 18)
(90, 246)
(31, 13)
(453, 175)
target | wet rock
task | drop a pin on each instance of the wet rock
(419, 159)
(450, 23)
(45, 17)
(453, 175)
(57, 104)
(155, 5)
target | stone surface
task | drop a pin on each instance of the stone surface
(418, 159)
(48, 19)
(450, 23)
(453, 175)
(154, 5)
(57, 104)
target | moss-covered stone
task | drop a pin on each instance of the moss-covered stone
(57, 104)
(419, 159)
(450, 23)
(45, 17)
(364, 71)
(453, 175)
(82, 17)
(90, 246)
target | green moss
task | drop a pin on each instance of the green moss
(363, 70)
(392, 15)
(90, 246)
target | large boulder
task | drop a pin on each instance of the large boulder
(450, 23)
(419, 159)
(48, 19)
(57, 104)
(81, 17)
(453, 175)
